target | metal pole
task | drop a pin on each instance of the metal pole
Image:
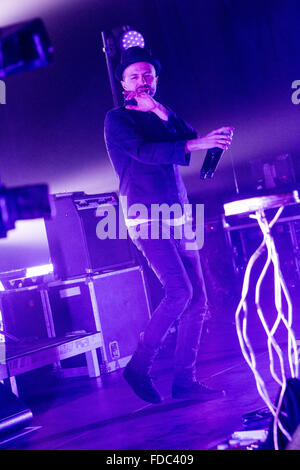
(106, 50)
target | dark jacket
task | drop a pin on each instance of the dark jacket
(145, 151)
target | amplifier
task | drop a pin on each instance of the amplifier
(74, 244)
(116, 304)
(24, 313)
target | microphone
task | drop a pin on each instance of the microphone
(212, 159)
(132, 102)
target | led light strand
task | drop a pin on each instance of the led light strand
(241, 325)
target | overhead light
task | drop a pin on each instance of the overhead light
(131, 38)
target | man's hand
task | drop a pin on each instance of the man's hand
(221, 138)
(146, 103)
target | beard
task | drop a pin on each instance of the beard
(145, 89)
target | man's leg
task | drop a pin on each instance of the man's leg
(185, 384)
(191, 321)
(163, 257)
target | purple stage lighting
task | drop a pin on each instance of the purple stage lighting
(131, 38)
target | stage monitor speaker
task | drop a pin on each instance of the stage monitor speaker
(23, 313)
(14, 414)
(116, 304)
(74, 245)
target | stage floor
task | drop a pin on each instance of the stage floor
(83, 413)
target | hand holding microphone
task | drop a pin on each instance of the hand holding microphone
(214, 154)
(217, 141)
(139, 101)
(143, 101)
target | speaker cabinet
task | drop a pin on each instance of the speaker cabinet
(115, 304)
(23, 313)
(75, 248)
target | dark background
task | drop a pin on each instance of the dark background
(225, 62)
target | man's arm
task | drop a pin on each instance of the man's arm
(161, 112)
(221, 138)
(216, 138)
(146, 103)
(122, 138)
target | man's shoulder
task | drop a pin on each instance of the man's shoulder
(116, 115)
(115, 112)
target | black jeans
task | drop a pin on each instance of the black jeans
(179, 271)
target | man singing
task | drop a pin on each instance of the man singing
(146, 142)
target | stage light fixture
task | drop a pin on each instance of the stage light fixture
(131, 38)
(115, 42)
(25, 46)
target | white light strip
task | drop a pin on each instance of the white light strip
(262, 202)
(39, 270)
(2, 337)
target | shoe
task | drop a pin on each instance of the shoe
(196, 391)
(141, 383)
